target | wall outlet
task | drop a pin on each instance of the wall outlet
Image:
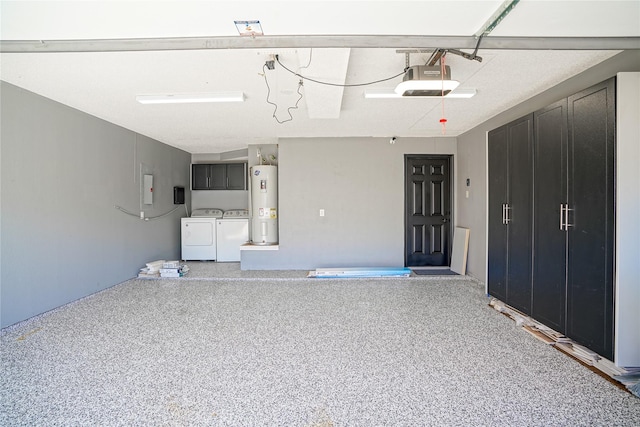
(321, 212)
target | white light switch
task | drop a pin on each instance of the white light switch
(321, 212)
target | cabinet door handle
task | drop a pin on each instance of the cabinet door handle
(566, 217)
(507, 213)
(504, 218)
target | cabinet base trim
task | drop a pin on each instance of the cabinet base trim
(622, 377)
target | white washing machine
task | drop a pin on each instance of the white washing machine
(198, 234)
(232, 232)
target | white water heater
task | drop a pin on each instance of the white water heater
(264, 205)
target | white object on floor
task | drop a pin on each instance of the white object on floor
(459, 250)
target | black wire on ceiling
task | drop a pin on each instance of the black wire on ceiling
(275, 109)
(336, 84)
(295, 106)
(300, 84)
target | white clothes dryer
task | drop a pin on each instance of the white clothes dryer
(198, 235)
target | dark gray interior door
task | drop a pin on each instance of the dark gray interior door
(427, 210)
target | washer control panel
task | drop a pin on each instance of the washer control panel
(207, 213)
(236, 213)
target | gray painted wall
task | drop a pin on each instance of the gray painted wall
(472, 209)
(63, 171)
(359, 182)
(472, 156)
(221, 199)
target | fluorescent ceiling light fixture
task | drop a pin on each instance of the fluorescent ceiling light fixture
(190, 98)
(391, 93)
(426, 87)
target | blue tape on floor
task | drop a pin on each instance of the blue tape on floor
(354, 272)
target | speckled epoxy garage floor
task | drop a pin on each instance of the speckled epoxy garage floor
(241, 348)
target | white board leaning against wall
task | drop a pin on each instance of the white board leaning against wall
(459, 250)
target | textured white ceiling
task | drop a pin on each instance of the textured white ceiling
(105, 84)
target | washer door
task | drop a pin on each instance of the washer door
(198, 234)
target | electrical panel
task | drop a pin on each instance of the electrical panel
(147, 190)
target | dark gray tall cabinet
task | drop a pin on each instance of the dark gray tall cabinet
(571, 222)
(550, 199)
(590, 217)
(510, 198)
